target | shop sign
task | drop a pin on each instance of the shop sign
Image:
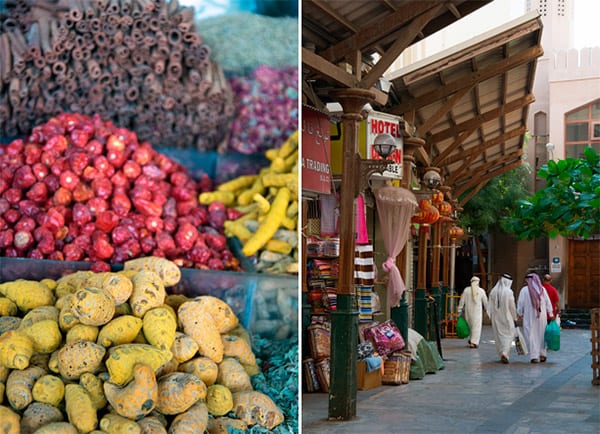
(316, 170)
(383, 123)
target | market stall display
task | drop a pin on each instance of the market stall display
(80, 188)
(115, 374)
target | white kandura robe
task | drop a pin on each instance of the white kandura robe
(503, 314)
(533, 326)
(473, 311)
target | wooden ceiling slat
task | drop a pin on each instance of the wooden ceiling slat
(499, 41)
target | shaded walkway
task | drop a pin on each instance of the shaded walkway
(475, 393)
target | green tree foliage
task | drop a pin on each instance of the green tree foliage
(569, 205)
(495, 200)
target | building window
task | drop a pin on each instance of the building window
(582, 129)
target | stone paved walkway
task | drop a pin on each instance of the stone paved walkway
(475, 393)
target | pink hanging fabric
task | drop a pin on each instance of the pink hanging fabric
(395, 207)
(362, 235)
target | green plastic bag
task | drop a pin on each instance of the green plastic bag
(552, 336)
(462, 328)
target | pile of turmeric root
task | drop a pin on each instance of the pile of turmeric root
(113, 352)
(268, 202)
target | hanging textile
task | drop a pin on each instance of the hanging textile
(364, 279)
(329, 215)
(395, 207)
(362, 236)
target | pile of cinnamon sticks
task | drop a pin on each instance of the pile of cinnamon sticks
(140, 63)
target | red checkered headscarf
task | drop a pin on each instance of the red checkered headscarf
(536, 290)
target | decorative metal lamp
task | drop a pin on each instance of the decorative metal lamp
(384, 145)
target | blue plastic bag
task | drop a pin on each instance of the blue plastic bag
(552, 336)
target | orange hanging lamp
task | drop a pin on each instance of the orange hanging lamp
(456, 232)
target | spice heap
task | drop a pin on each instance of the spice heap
(138, 63)
(78, 188)
(105, 350)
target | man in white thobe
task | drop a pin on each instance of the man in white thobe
(472, 301)
(532, 305)
(503, 314)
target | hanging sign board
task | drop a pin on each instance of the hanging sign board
(383, 123)
(316, 171)
(375, 123)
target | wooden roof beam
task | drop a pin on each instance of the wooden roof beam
(468, 81)
(424, 128)
(457, 173)
(483, 146)
(482, 118)
(312, 96)
(464, 135)
(464, 181)
(335, 74)
(372, 34)
(399, 45)
(327, 10)
(487, 179)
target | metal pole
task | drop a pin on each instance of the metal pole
(452, 271)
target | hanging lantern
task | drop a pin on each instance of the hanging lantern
(456, 232)
(445, 208)
(424, 204)
(437, 197)
(426, 216)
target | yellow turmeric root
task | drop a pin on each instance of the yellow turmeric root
(243, 181)
(208, 197)
(263, 204)
(270, 225)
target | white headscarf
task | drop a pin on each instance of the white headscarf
(502, 287)
(475, 288)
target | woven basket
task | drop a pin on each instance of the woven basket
(319, 341)
(311, 380)
(396, 369)
(323, 372)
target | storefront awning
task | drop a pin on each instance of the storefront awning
(470, 103)
(350, 44)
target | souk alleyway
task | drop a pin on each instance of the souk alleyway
(475, 393)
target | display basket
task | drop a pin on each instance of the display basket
(396, 368)
(319, 339)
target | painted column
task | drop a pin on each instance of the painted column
(344, 320)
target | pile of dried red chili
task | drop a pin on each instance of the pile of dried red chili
(80, 189)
